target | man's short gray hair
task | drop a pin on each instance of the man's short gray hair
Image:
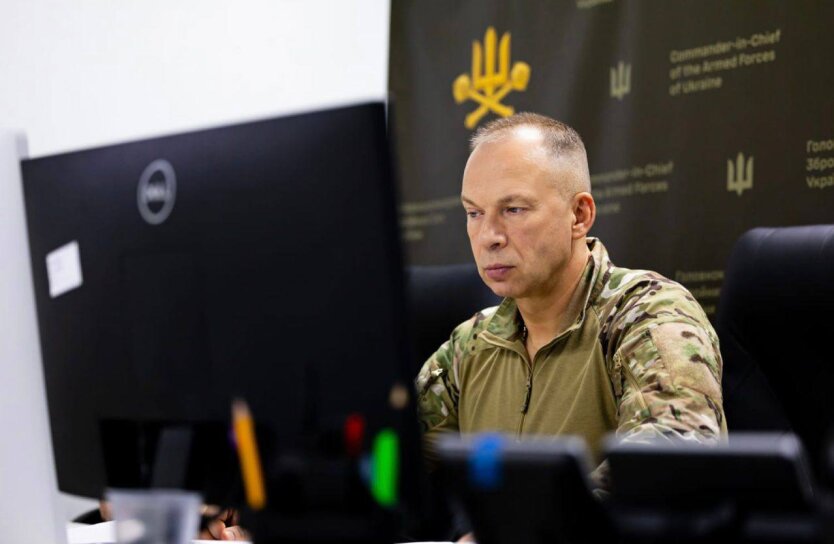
(558, 136)
(560, 142)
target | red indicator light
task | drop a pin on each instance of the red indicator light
(354, 434)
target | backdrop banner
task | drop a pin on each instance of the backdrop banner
(701, 119)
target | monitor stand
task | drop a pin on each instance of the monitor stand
(154, 454)
(170, 469)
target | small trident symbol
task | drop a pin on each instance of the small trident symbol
(620, 80)
(489, 88)
(740, 176)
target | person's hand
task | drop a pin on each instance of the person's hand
(223, 525)
(104, 510)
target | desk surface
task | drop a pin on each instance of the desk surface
(103, 533)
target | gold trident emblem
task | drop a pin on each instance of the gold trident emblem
(491, 86)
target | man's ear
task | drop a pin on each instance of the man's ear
(584, 214)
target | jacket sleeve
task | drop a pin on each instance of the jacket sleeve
(668, 366)
(666, 373)
(438, 390)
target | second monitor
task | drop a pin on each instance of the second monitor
(260, 260)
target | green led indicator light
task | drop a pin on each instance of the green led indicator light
(386, 467)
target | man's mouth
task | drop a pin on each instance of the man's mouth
(498, 271)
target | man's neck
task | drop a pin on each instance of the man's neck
(545, 317)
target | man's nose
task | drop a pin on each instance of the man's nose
(493, 235)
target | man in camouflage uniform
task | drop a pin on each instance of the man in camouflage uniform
(578, 345)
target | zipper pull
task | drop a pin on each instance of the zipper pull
(434, 375)
(527, 394)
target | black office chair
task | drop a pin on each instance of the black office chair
(442, 297)
(776, 326)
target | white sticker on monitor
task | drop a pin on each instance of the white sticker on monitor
(63, 269)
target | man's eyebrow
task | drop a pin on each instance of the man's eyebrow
(515, 198)
(504, 200)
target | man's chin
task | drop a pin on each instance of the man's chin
(501, 289)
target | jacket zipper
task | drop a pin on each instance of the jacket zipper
(527, 394)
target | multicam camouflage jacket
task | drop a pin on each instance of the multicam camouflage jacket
(640, 359)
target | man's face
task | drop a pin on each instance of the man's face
(519, 223)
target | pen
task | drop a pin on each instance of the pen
(247, 450)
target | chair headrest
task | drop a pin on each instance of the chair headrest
(442, 297)
(775, 322)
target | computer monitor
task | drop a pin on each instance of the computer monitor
(753, 487)
(533, 490)
(259, 261)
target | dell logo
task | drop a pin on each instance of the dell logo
(157, 192)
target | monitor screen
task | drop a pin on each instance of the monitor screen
(173, 274)
(532, 490)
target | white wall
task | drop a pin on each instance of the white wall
(75, 74)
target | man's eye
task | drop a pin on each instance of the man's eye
(472, 214)
(515, 210)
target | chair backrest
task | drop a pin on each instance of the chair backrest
(442, 297)
(776, 326)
